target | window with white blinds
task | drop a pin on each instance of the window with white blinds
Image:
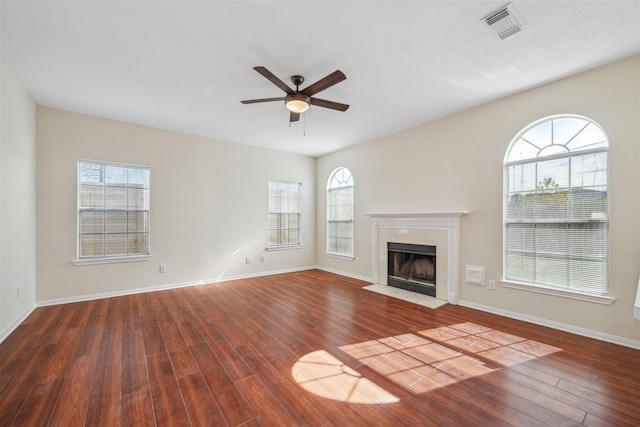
(340, 213)
(113, 210)
(285, 209)
(556, 210)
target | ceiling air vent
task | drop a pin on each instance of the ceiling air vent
(504, 21)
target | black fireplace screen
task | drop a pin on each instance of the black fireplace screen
(412, 267)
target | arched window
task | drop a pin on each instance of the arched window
(340, 213)
(556, 210)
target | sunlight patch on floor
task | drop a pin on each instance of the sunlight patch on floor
(419, 362)
(324, 375)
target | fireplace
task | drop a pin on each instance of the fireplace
(412, 267)
(441, 229)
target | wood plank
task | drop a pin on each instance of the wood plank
(264, 403)
(281, 385)
(104, 405)
(168, 404)
(12, 360)
(19, 386)
(153, 341)
(230, 401)
(39, 405)
(201, 405)
(62, 358)
(135, 377)
(137, 409)
(71, 408)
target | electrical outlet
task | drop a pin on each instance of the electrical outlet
(492, 285)
(248, 260)
(163, 269)
(357, 260)
(262, 258)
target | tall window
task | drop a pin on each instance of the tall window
(285, 208)
(340, 213)
(113, 210)
(556, 206)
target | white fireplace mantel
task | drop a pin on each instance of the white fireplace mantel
(414, 223)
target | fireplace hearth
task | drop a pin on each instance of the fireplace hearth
(412, 267)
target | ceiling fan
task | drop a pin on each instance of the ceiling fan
(298, 101)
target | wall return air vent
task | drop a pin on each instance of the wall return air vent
(505, 21)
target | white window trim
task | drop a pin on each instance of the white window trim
(340, 256)
(565, 293)
(284, 247)
(111, 260)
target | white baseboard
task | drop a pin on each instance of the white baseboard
(601, 336)
(342, 273)
(4, 334)
(102, 295)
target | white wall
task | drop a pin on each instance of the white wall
(208, 206)
(455, 163)
(17, 203)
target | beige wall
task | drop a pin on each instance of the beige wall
(208, 206)
(17, 203)
(455, 163)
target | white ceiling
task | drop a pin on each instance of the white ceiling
(185, 66)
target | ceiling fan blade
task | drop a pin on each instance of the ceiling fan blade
(254, 101)
(329, 104)
(294, 117)
(273, 79)
(322, 84)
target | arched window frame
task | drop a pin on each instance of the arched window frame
(556, 212)
(340, 214)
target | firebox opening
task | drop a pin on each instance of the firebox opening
(412, 267)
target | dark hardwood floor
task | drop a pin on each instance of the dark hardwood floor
(308, 349)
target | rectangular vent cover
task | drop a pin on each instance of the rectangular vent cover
(504, 21)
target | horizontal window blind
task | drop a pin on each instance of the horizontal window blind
(113, 210)
(340, 219)
(285, 207)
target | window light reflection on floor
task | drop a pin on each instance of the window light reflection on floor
(324, 375)
(420, 362)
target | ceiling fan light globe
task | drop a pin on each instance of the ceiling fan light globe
(297, 106)
(297, 102)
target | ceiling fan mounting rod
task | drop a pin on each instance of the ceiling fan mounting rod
(297, 81)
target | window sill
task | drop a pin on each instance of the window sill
(340, 256)
(283, 247)
(110, 260)
(599, 299)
